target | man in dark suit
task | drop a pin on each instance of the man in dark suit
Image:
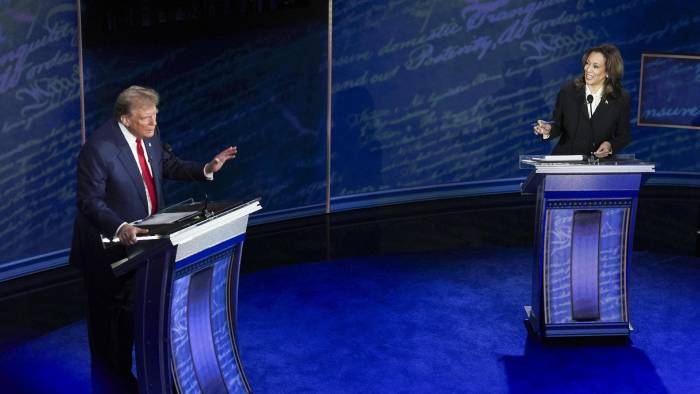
(120, 169)
(592, 113)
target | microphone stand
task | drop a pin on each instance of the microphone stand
(204, 212)
(592, 158)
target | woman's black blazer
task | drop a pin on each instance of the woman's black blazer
(610, 122)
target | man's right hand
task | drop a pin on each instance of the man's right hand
(127, 234)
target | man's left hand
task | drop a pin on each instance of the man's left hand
(218, 161)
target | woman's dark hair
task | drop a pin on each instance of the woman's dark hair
(614, 69)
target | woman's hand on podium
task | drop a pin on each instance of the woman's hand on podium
(604, 150)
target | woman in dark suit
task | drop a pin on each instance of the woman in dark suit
(592, 113)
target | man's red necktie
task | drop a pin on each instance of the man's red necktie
(147, 177)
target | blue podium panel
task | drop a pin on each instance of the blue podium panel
(202, 322)
(179, 338)
(596, 287)
(584, 230)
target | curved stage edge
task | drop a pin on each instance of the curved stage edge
(685, 186)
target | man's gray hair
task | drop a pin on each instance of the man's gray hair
(134, 96)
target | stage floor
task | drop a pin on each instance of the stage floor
(445, 321)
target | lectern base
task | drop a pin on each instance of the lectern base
(577, 329)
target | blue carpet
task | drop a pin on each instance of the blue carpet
(441, 322)
(452, 322)
(58, 362)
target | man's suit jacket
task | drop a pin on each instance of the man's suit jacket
(580, 135)
(110, 191)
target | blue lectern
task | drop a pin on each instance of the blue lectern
(187, 286)
(583, 240)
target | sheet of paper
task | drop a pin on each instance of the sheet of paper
(559, 158)
(164, 218)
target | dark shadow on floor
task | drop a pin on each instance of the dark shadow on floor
(588, 366)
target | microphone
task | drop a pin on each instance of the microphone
(589, 98)
(169, 149)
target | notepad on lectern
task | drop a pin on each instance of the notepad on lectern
(559, 158)
(164, 218)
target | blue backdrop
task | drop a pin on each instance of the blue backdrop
(428, 98)
(430, 93)
(39, 127)
(239, 77)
